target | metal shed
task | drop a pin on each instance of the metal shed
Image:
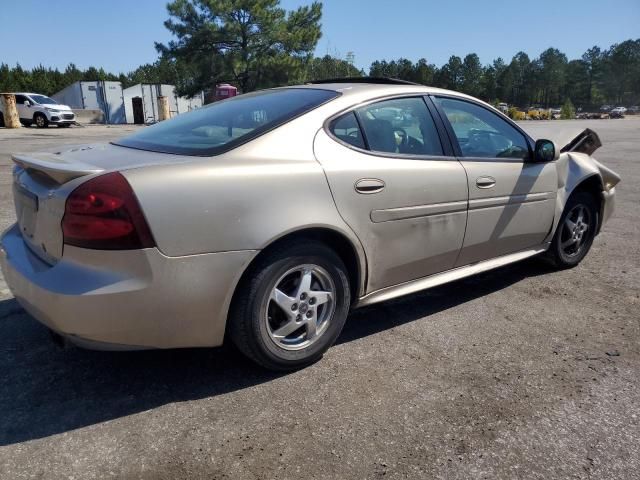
(98, 95)
(141, 102)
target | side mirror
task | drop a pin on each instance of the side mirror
(27, 103)
(545, 151)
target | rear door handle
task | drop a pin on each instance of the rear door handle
(368, 186)
(485, 182)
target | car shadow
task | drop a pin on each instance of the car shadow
(45, 389)
(383, 316)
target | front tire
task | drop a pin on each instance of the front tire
(41, 120)
(575, 232)
(291, 306)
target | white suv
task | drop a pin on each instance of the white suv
(41, 110)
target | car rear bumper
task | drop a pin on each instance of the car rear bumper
(127, 299)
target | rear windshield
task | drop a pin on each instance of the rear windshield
(223, 125)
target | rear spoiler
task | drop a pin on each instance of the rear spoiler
(586, 142)
(53, 166)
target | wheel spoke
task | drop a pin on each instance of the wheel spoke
(283, 300)
(580, 215)
(569, 224)
(305, 283)
(568, 242)
(311, 326)
(286, 329)
(321, 297)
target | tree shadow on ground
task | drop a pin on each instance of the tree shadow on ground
(46, 390)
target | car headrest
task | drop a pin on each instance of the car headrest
(380, 135)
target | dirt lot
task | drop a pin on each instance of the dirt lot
(523, 372)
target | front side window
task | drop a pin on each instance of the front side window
(20, 99)
(482, 133)
(401, 125)
(223, 125)
(42, 100)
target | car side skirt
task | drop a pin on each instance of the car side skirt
(437, 279)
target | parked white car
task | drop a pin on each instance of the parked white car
(41, 110)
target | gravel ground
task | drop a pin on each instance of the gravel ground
(522, 372)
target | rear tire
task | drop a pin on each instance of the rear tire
(41, 120)
(575, 232)
(291, 306)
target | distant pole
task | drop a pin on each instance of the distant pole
(163, 108)
(11, 119)
(351, 60)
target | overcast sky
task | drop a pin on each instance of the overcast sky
(119, 34)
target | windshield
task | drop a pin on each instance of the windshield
(41, 99)
(226, 124)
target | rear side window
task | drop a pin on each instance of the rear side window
(223, 125)
(401, 125)
(346, 128)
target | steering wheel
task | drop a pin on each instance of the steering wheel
(479, 140)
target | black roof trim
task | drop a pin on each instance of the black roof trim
(378, 80)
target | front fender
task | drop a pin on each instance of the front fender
(574, 168)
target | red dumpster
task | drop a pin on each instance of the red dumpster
(224, 90)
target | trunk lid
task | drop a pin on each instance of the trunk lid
(42, 181)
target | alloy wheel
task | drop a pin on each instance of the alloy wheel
(300, 307)
(575, 230)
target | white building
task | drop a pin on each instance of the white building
(98, 95)
(141, 102)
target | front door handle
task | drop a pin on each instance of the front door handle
(485, 182)
(369, 185)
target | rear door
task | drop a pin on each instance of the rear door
(24, 112)
(511, 198)
(396, 185)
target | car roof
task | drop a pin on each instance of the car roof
(348, 88)
(374, 90)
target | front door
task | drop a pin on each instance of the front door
(395, 187)
(511, 199)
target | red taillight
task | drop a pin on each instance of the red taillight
(104, 214)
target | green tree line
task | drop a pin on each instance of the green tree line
(48, 80)
(600, 76)
(256, 44)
